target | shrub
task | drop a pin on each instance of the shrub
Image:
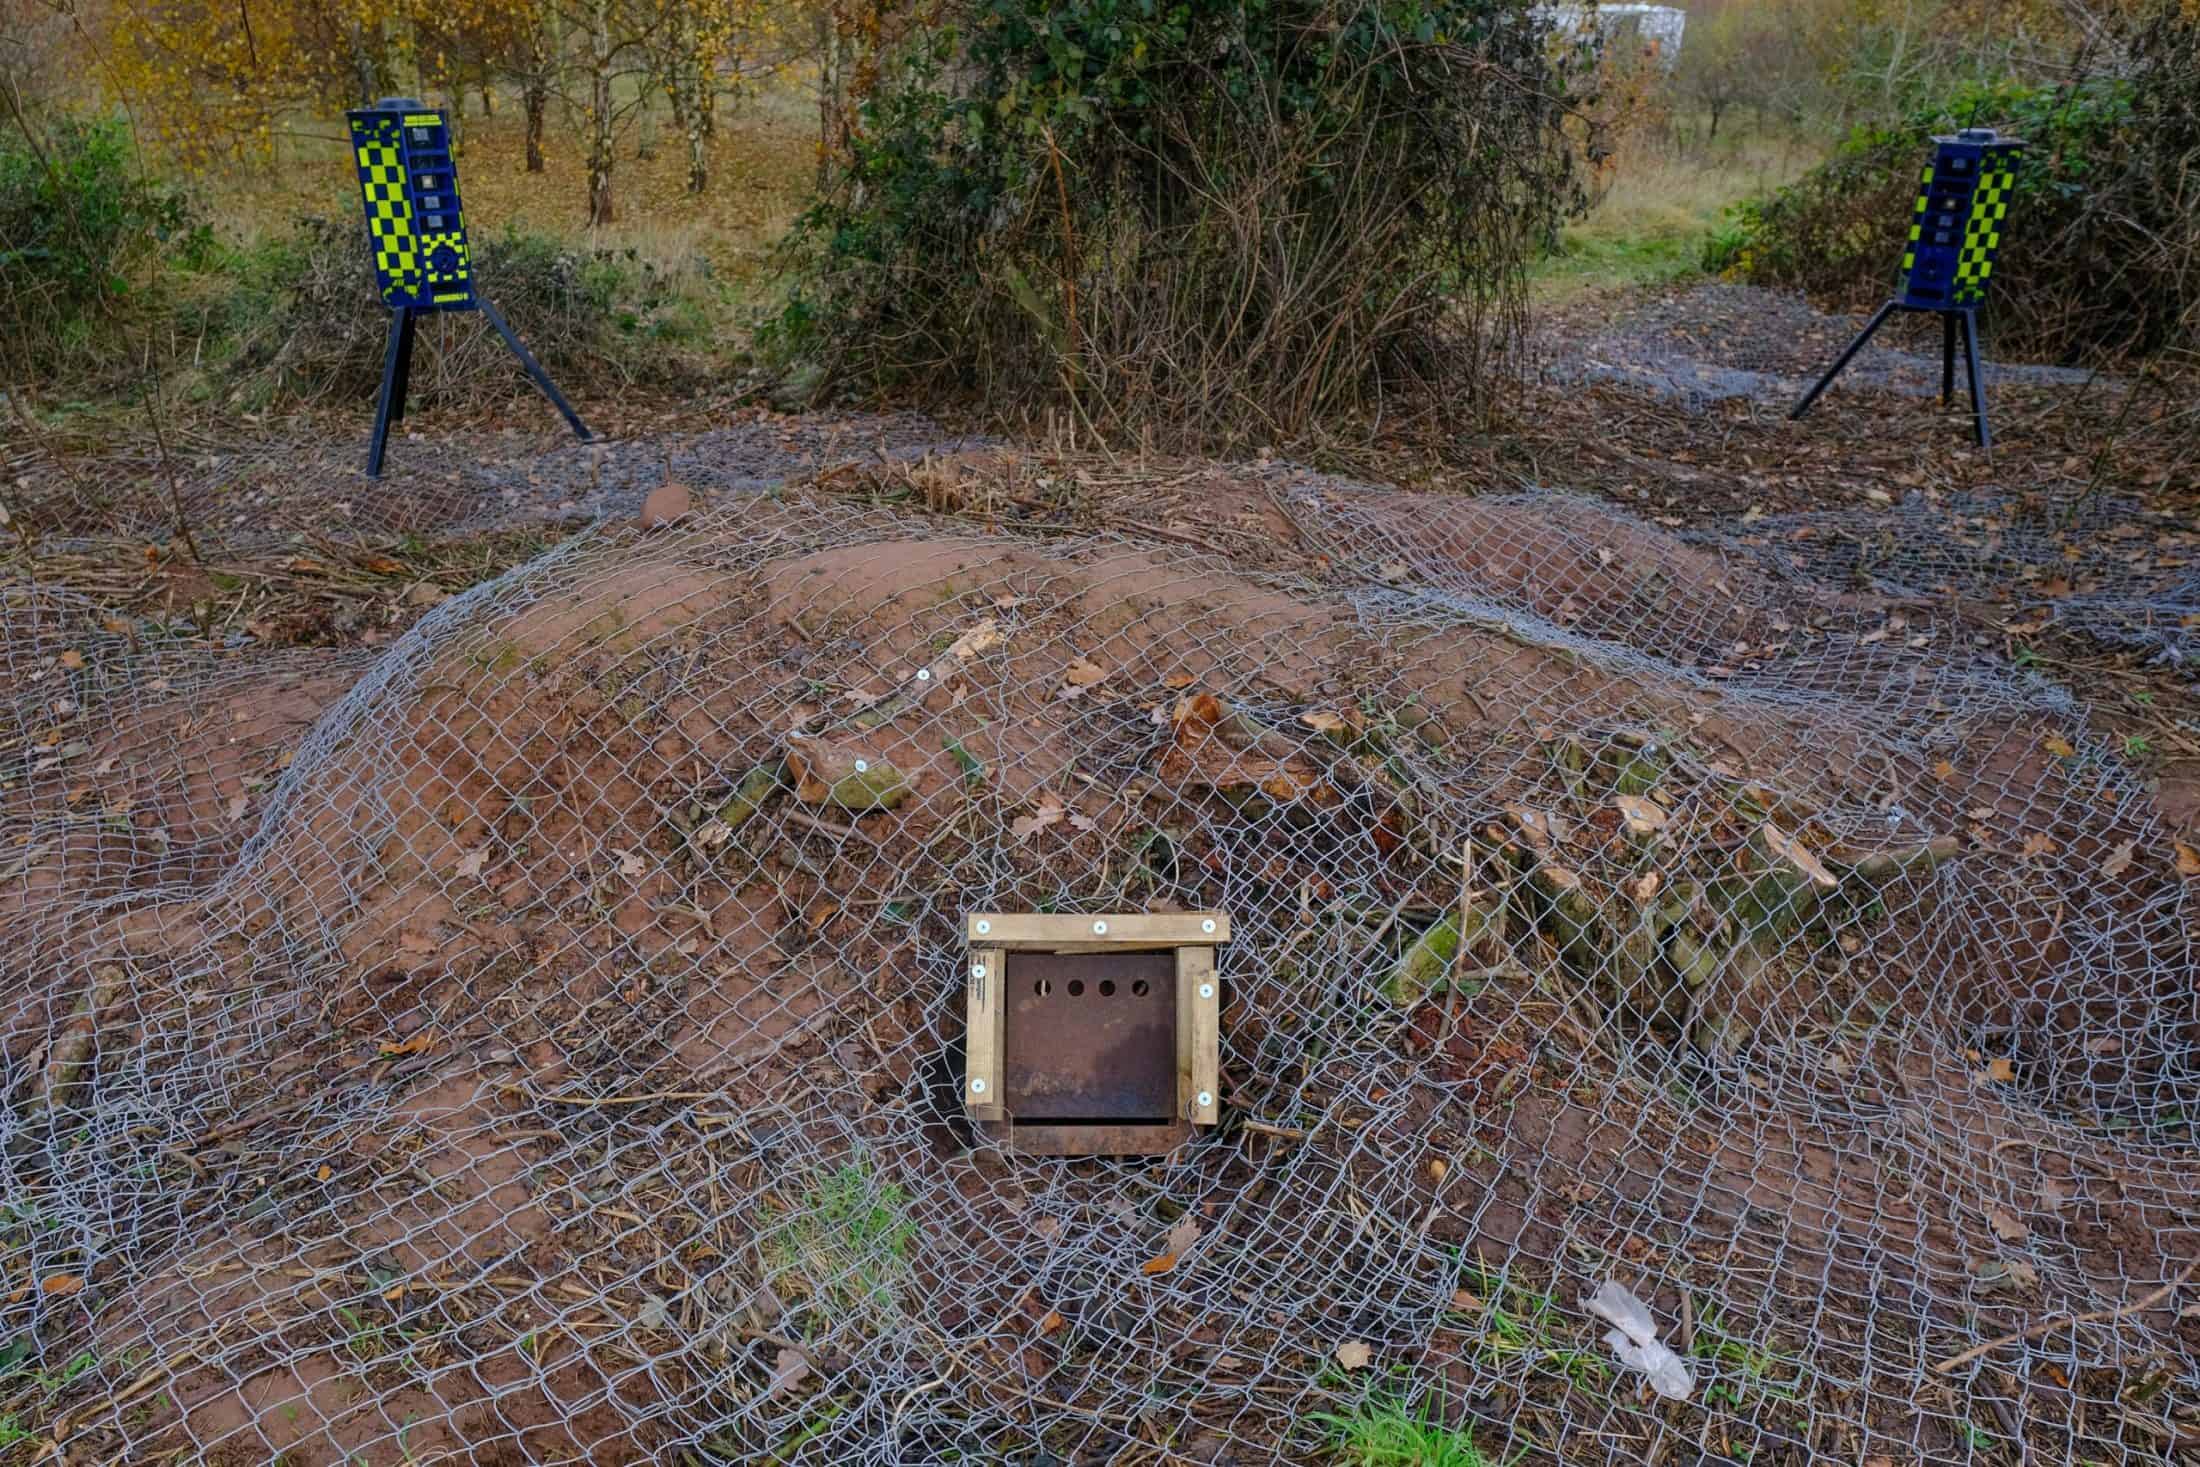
(79, 228)
(307, 322)
(1224, 219)
(2101, 254)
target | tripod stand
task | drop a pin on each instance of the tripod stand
(1949, 316)
(397, 376)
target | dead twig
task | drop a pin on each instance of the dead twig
(2049, 1326)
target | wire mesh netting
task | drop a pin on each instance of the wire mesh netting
(1718, 340)
(540, 1039)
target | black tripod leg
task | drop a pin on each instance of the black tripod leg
(535, 372)
(1978, 388)
(1947, 358)
(392, 403)
(1871, 329)
(404, 366)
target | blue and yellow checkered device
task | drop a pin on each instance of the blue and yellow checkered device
(410, 186)
(1955, 226)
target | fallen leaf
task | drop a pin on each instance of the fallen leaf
(980, 638)
(1049, 811)
(62, 1283)
(1437, 1166)
(2188, 859)
(72, 659)
(1643, 817)
(383, 565)
(471, 863)
(1214, 746)
(2036, 844)
(788, 1369)
(2004, 1273)
(1083, 674)
(2058, 745)
(323, 1172)
(238, 806)
(1465, 1301)
(1051, 1323)
(1183, 1235)
(1943, 770)
(1178, 680)
(2001, 1070)
(631, 863)
(1159, 1264)
(2007, 1225)
(1354, 1354)
(419, 1043)
(2119, 860)
(1322, 722)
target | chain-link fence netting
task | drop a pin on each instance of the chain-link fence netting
(1718, 341)
(299, 481)
(540, 1039)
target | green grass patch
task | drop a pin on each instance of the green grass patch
(1391, 1431)
(843, 1246)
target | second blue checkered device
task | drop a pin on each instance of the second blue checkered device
(1955, 233)
(1955, 226)
(409, 183)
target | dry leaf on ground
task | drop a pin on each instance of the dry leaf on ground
(980, 638)
(1048, 812)
(1354, 1354)
(1643, 817)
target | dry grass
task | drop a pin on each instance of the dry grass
(1660, 203)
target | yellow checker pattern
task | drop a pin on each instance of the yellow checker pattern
(1982, 233)
(397, 252)
(1917, 220)
(447, 264)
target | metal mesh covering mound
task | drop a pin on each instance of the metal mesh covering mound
(550, 1052)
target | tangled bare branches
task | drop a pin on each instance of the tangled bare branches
(1215, 225)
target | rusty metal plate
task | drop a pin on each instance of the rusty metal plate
(1090, 1037)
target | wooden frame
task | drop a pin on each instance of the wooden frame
(994, 937)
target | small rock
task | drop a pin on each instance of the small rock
(666, 503)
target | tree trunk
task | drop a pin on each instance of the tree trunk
(828, 92)
(537, 98)
(601, 209)
(683, 69)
